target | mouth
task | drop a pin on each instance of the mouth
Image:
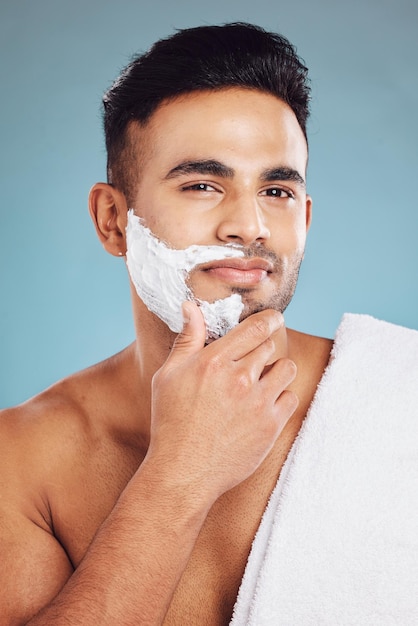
(238, 271)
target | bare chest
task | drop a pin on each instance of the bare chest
(208, 589)
(83, 498)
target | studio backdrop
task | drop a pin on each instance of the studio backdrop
(64, 303)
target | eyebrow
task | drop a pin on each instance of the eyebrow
(282, 173)
(216, 168)
(207, 166)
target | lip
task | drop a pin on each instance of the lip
(243, 265)
(240, 272)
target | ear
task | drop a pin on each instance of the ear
(308, 212)
(108, 210)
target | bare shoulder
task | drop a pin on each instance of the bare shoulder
(80, 396)
(63, 464)
(310, 350)
(62, 416)
(35, 434)
(58, 430)
(311, 355)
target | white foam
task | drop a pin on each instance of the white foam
(159, 274)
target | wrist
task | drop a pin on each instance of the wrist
(181, 495)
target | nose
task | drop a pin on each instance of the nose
(242, 222)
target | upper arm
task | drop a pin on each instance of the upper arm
(33, 564)
(33, 567)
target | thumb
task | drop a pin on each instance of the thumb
(193, 336)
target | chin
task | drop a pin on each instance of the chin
(256, 307)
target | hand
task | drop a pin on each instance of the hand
(217, 410)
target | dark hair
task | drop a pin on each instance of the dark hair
(199, 59)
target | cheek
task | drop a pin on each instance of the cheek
(180, 230)
(288, 239)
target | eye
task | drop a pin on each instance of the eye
(277, 192)
(198, 187)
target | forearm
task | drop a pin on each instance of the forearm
(216, 413)
(136, 560)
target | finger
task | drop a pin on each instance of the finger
(252, 365)
(193, 335)
(285, 406)
(281, 374)
(249, 334)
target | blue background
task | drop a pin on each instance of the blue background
(64, 302)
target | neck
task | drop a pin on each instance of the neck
(153, 343)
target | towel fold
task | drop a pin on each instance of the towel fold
(338, 542)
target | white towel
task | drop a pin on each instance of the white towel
(338, 542)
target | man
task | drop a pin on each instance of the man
(131, 492)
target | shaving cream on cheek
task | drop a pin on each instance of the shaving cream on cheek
(159, 274)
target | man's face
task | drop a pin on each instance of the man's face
(228, 167)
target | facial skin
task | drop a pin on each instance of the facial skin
(228, 167)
